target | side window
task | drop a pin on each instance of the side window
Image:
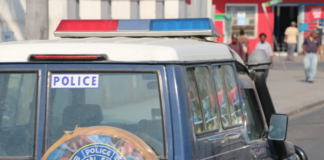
(232, 94)
(17, 113)
(252, 114)
(205, 101)
(221, 97)
(194, 101)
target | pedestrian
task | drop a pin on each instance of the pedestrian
(237, 47)
(264, 45)
(291, 34)
(320, 36)
(245, 44)
(311, 47)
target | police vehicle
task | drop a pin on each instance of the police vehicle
(136, 89)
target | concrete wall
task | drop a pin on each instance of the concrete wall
(12, 19)
(57, 10)
(12, 12)
(90, 9)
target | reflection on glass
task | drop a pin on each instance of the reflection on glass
(207, 97)
(232, 93)
(221, 97)
(129, 101)
(278, 127)
(194, 101)
(252, 114)
(17, 113)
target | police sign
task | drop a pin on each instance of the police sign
(75, 81)
(97, 151)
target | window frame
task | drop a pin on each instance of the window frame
(252, 86)
(256, 16)
(227, 98)
(105, 69)
(22, 69)
(205, 133)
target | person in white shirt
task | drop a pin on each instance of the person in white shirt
(264, 45)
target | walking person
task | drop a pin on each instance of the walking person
(320, 36)
(311, 47)
(264, 45)
(245, 44)
(237, 47)
(291, 34)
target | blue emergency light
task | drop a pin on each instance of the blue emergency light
(137, 28)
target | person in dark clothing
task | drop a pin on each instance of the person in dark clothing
(237, 47)
(320, 32)
(311, 47)
(245, 44)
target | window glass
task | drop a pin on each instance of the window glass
(17, 113)
(252, 114)
(207, 97)
(222, 100)
(129, 101)
(202, 99)
(244, 17)
(232, 94)
(194, 101)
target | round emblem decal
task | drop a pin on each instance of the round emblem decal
(97, 151)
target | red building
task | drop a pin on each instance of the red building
(249, 16)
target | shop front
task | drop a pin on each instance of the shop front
(250, 17)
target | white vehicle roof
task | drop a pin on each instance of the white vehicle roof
(121, 49)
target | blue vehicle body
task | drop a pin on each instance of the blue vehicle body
(181, 142)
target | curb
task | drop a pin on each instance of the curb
(305, 108)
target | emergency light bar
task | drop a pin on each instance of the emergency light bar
(137, 28)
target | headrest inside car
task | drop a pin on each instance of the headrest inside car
(83, 115)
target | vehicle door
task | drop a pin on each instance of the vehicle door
(210, 111)
(130, 97)
(22, 110)
(230, 105)
(254, 124)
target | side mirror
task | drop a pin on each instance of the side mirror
(278, 127)
(259, 60)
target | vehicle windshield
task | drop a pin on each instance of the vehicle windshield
(130, 101)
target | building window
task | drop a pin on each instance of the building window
(244, 17)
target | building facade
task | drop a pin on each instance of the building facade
(250, 16)
(12, 12)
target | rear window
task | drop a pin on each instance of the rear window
(17, 114)
(130, 101)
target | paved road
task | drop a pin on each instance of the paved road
(295, 65)
(307, 131)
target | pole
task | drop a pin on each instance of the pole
(36, 23)
(274, 37)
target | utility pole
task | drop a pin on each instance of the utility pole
(36, 21)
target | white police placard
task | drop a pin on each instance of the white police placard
(75, 81)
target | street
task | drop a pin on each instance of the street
(306, 130)
(293, 96)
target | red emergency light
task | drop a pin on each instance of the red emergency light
(88, 25)
(60, 57)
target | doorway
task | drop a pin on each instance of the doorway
(284, 15)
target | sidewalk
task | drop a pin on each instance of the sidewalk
(289, 91)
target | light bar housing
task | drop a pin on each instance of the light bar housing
(68, 57)
(137, 28)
